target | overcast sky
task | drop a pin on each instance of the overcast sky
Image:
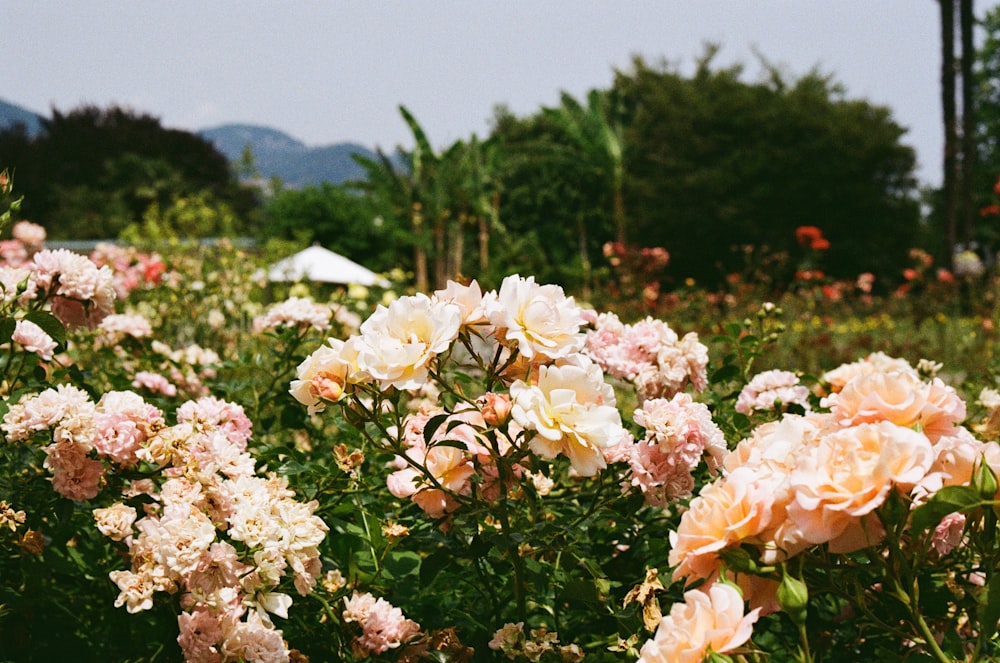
(327, 72)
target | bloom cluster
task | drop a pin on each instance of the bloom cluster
(74, 288)
(511, 640)
(28, 238)
(131, 269)
(79, 292)
(383, 626)
(212, 530)
(297, 312)
(525, 336)
(819, 478)
(649, 354)
(680, 433)
(772, 390)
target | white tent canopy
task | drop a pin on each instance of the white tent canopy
(319, 264)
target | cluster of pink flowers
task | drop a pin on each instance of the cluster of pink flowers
(680, 433)
(204, 496)
(772, 390)
(383, 626)
(298, 312)
(649, 354)
(16, 286)
(559, 403)
(183, 370)
(154, 383)
(130, 267)
(79, 292)
(818, 478)
(29, 238)
(87, 438)
(118, 326)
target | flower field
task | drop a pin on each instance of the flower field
(199, 465)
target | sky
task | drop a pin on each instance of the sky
(337, 70)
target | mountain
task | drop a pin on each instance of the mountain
(11, 115)
(275, 153)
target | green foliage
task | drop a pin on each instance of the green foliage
(717, 164)
(91, 172)
(340, 219)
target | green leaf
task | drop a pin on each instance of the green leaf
(403, 563)
(49, 324)
(6, 329)
(947, 500)
(726, 373)
(432, 565)
(989, 607)
(583, 591)
(432, 425)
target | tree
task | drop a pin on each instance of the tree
(341, 219)
(958, 194)
(596, 131)
(556, 216)
(91, 172)
(987, 104)
(717, 164)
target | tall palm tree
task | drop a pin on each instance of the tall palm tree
(949, 116)
(969, 158)
(598, 132)
(396, 194)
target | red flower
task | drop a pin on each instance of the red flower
(990, 210)
(807, 235)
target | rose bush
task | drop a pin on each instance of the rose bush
(467, 475)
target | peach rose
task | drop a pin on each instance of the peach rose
(849, 474)
(876, 362)
(773, 446)
(115, 522)
(728, 511)
(708, 620)
(399, 342)
(897, 397)
(955, 459)
(325, 374)
(944, 410)
(540, 320)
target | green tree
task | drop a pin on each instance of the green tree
(556, 211)
(987, 100)
(717, 164)
(91, 172)
(596, 130)
(341, 219)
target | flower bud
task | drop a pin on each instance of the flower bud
(985, 481)
(793, 597)
(495, 408)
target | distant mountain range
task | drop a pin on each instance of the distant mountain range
(275, 153)
(11, 115)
